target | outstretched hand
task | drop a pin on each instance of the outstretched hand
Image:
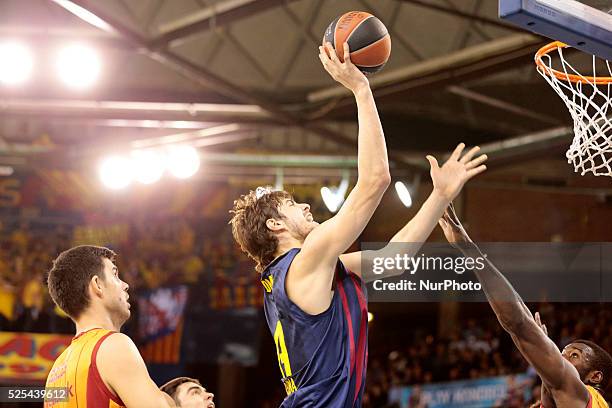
(452, 228)
(344, 72)
(541, 325)
(450, 178)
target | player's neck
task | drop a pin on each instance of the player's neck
(95, 320)
(285, 244)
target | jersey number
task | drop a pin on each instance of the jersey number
(283, 359)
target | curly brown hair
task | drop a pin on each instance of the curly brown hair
(71, 273)
(249, 216)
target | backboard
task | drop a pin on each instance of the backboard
(572, 22)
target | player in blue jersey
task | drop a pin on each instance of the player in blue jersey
(315, 301)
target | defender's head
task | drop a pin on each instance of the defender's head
(593, 363)
(263, 218)
(188, 393)
(86, 277)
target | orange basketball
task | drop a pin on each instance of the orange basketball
(368, 39)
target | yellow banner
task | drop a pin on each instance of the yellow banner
(28, 357)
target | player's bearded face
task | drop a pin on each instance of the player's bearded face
(116, 297)
(298, 219)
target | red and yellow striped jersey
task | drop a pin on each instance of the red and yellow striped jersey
(596, 400)
(76, 370)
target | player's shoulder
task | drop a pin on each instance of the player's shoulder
(116, 352)
(597, 400)
(280, 265)
(115, 346)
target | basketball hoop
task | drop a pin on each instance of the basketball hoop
(588, 99)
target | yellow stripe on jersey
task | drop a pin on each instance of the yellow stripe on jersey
(268, 283)
(597, 400)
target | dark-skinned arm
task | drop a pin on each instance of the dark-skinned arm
(527, 333)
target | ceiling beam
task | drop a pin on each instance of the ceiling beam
(183, 66)
(194, 136)
(503, 105)
(77, 120)
(134, 114)
(87, 11)
(442, 114)
(41, 36)
(278, 160)
(526, 147)
(476, 61)
(300, 40)
(218, 15)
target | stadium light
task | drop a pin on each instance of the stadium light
(334, 197)
(78, 66)
(183, 161)
(16, 63)
(116, 172)
(403, 193)
(278, 184)
(406, 192)
(148, 165)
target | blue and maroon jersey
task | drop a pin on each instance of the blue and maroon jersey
(322, 357)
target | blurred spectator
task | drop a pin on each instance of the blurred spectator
(475, 351)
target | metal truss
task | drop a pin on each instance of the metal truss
(214, 16)
(87, 11)
(305, 35)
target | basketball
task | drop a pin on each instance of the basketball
(368, 39)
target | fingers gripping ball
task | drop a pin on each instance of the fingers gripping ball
(367, 37)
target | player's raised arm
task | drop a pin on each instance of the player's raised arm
(448, 180)
(531, 339)
(123, 369)
(313, 269)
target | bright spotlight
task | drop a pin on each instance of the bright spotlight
(334, 197)
(116, 172)
(331, 199)
(78, 66)
(278, 184)
(16, 63)
(403, 193)
(370, 317)
(183, 161)
(148, 165)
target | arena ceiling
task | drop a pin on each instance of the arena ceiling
(243, 75)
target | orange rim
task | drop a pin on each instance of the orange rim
(562, 75)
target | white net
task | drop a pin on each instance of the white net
(589, 103)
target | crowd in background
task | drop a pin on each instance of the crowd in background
(149, 256)
(480, 349)
(154, 255)
(25, 255)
